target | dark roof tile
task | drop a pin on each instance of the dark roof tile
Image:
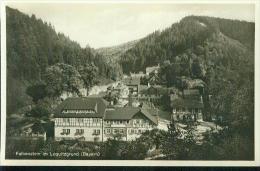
(97, 104)
(127, 113)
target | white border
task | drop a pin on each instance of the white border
(256, 162)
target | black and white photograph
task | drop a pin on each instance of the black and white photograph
(128, 81)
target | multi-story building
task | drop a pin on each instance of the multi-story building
(92, 119)
(129, 122)
(80, 118)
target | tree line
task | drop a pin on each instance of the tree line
(32, 46)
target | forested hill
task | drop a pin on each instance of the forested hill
(32, 46)
(191, 36)
(112, 54)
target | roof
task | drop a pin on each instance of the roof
(121, 113)
(187, 103)
(127, 113)
(82, 103)
(151, 69)
(191, 92)
(143, 88)
(155, 89)
(196, 83)
(132, 81)
(150, 114)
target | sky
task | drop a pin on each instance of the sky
(102, 25)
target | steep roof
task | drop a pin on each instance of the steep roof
(186, 103)
(127, 113)
(97, 104)
(121, 113)
(150, 114)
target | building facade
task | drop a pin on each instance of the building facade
(129, 122)
(91, 119)
(80, 118)
(133, 84)
(188, 107)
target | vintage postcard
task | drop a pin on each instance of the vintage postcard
(140, 83)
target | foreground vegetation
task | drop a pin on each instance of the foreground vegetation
(155, 144)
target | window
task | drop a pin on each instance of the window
(79, 131)
(121, 131)
(115, 131)
(95, 120)
(80, 120)
(96, 132)
(66, 120)
(108, 131)
(107, 122)
(121, 122)
(65, 131)
(139, 131)
(127, 122)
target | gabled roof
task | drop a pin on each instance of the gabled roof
(150, 114)
(97, 104)
(155, 89)
(121, 113)
(127, 113)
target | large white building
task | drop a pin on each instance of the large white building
(129, 122)
(91, 119)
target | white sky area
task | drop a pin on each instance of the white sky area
(102, 25)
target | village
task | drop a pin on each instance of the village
(128, 81)
(126, 109)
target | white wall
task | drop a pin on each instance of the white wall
(88, 133)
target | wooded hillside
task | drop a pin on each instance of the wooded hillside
(32, 46)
